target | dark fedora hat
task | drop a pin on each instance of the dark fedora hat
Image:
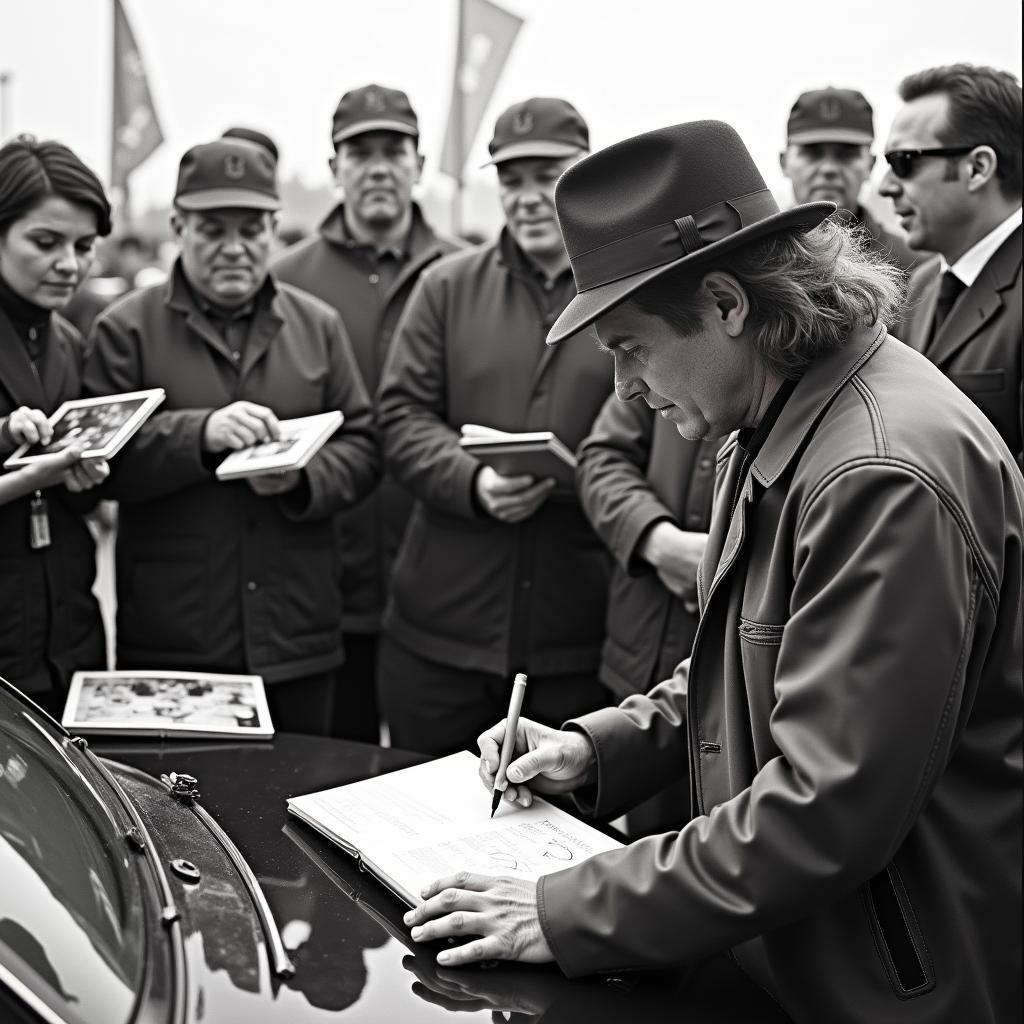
(689, 194)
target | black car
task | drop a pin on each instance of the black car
(123, 899)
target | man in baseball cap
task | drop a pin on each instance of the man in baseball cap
(828, 158)
(849, 720)
(235, 577)
(487, 556)
(365, 260)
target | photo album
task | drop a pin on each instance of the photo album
(168, 704)
(537, 453)
(300, 440)
(103, 424)
(414, 825)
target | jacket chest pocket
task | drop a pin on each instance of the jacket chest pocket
(759, 656)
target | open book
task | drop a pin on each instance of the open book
(415, 825)
(538, 453)
(300, 440)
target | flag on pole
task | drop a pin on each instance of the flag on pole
(136, 128)
(486, 35)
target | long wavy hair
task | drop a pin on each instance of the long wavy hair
(807, 291)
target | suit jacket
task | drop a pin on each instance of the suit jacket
(210, 575)
(980, 345)
(469, 590)
(850, 718)
(329, 267)
(50, 622)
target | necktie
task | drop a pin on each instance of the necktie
(950, 288)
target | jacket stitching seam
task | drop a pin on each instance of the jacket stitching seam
(944, 497)
(874, 414)
(954, 687)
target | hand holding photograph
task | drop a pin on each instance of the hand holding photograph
(168, 704)
(104, 425)
(300, 440)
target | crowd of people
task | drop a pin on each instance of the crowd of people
(798, 502)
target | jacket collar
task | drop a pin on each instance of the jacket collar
(37, 387)
(822, 381)
(422, 244)
(266, 322)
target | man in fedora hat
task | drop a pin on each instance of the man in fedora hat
(364, 261)
(828, 157)
(237, 576)
(497, 573)
(850, 716)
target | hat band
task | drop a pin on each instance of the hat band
(665, 243)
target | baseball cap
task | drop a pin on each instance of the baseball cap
(373, 108)
(227, 173)
(254, 136)
(542, 126)
(831, 115)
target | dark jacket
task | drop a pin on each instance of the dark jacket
(851, 717)
(469, 590)
(980, 345)
(634, 471)
(211, 575)
(50, 622)
(331, 267)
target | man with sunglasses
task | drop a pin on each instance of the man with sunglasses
(828, 158)
(954, 178)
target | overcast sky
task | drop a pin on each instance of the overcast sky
(628, 65)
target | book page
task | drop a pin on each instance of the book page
(418, 824)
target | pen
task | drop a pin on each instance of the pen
(515, 705)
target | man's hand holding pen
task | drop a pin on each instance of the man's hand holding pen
(501, 913)
(550, 760)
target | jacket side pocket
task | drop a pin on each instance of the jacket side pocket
(897, 934)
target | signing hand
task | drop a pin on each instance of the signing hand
(29, 426)
(556, 760)
(239, 425)
(275, 483)
(84, 474)
(675, 555)
(510, 499)
(501, 911)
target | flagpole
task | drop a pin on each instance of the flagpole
(5, 81)
(458, 102)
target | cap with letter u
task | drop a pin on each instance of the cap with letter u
(540, 127)
(225, 174)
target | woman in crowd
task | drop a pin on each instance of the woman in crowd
(52, 209)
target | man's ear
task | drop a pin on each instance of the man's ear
(981, 167)
(177, 223)
(420, 161)
(871, 162)
(332, 162)
(782, 162)
(730, 300)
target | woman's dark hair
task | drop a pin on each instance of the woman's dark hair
(31, 171)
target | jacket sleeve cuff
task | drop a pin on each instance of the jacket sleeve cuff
(632, 532)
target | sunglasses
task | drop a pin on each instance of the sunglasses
(904, 161)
